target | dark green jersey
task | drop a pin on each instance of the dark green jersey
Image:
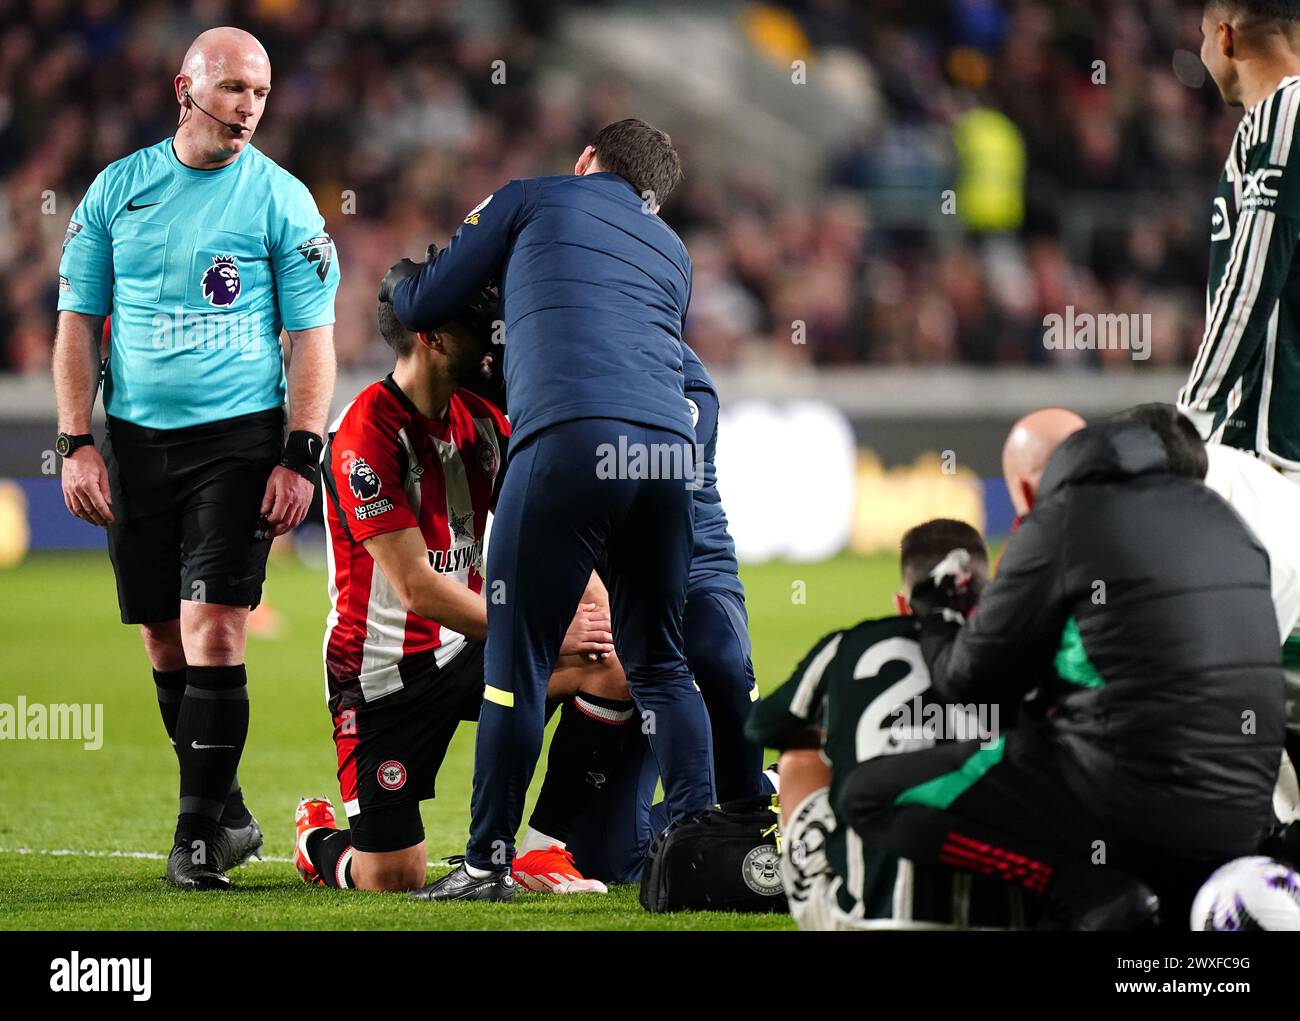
(1244, 387)
(868, 690)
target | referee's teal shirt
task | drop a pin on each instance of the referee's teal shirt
(200, 269)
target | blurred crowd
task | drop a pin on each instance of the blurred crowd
(1026, 155)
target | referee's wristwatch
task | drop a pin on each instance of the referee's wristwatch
(66, 444)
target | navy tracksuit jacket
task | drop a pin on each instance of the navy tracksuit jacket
(594, 290)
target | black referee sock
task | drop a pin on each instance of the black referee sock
(236, 814)
(328, 849)
(584, 751)
(170, 685)
(210, 732)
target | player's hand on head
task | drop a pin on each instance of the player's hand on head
(285, 503)
(950, 590)
(590, 634)
(85, 486)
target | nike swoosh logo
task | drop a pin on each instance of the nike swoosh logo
(131, 207)
(200, 747)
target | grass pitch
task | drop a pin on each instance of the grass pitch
(82, 833)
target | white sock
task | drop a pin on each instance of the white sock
(341, 876)
(535, 840)
(477, 873)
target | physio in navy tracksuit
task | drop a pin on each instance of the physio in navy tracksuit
(594, 290)
(716, 624)
(610, 841)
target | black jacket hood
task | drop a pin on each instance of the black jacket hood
(1109, 451)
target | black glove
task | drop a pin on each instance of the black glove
(399, 271)
(1283, 842)
(948, 592)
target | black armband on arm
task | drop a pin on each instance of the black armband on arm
(302, 454)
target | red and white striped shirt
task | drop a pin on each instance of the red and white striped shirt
(388, 467)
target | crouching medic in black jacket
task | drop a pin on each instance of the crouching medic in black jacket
(1135, 605)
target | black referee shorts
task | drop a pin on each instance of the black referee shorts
(185, 506)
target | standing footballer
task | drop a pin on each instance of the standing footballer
(203, 251)
(1244, 388)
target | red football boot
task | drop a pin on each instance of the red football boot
(552, 871)
(312, 814)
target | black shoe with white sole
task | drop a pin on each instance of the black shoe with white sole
(458, 884)
(237, 845)
(185, 874)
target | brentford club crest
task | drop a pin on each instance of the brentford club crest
(392, 775)
(761, 870)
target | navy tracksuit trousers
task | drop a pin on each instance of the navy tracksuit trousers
(558, 514)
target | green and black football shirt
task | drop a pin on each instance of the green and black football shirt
(868, 690)
(1244, 387)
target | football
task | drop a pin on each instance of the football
(1249, 894)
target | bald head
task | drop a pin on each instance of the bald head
(1029, 445)
(219, 50)
(221, 87)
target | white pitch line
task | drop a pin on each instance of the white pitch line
(72, 852)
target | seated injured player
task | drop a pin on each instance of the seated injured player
(861, 693)
(412, 469)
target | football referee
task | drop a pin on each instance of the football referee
(203, 251)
